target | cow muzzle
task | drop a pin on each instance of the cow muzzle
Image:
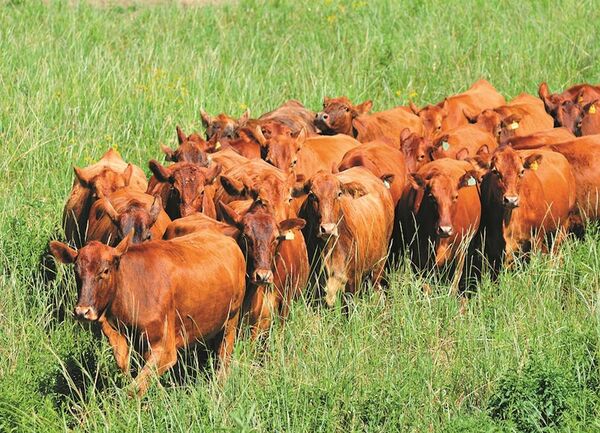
(86, 312)
(511, 201)
(262, 276)
(445, 231)
(328, 230)
(322, 118)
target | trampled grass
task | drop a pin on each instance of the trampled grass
(77, 80)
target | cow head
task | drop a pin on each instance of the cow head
(440, 191)
(191, 149)
(432, 117)
(105, 182)
(262, 237)
(507, 169)
(417, 150)
(281, 149)
(338, 113)
(325, 194)
(188, 182)
(222, 125)
(96, 266)
(137, 218)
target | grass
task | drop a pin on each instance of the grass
(75, 80)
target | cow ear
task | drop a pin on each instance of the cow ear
(300, 189)
(404, 136)
(532, 161)
(155, 209)
(169, 153)
(510, 120)
(106, 206)
(334, 168)
(181, 137)
(213, 172)
(416, 181)
(591, 107)
(326, 100)
(260, 137)
(413, 108)
(301, 139)
(206, 119)
(244, 118)
(123, 246)
(481, 164)
(62, 252)
(462, 154)
(544, 94)
(363, 108)
(444, 107)
(127, 174)
(354, 189)
(470, 178)
(387, 180)
(233, 187)
(291, 224)
(483, 150)
(230, 216)
(162, 173)
(471, 117)
(83, 179)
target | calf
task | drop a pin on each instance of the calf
(522, 204)
(449, 113)
(277, 262)
(340, 116)
(184, 187)
(145, 288)
(114, 216)
(438, 215)
(350, 217)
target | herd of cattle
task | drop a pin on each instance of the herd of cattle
(241, 219)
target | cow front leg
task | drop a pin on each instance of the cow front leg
(119, 345)
(225, 348)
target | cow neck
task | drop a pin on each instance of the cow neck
(121, 303)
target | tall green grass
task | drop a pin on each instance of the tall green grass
(77, 80)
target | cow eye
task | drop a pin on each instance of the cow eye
(340, 193)
(148, 237)
(420, 158)
(522, 172)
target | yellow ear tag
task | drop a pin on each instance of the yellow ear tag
(534, 165)
(289, 235)
(580, 100)
(218, 145)
(445, 145)
(514, 125)
(592, 109)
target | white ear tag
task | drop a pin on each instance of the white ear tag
(289, 235)
(386, 183)
(514, 125)
(471, 181)
(209, 159)
(445, 145)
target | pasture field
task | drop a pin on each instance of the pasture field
(78, 79)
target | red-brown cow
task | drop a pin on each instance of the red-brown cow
(105, 176)
(524, 115)
(184, 187)
(191, 149)
(449, 113)
(339, 116)
(222, 125)
(416, 149)
(351, 216)
(114, 216)
(145, 288)
(439, 215)
(462, 142)
(549, 136)
(276, 262)
(196, 223)
(522, 203)
(567, 107)
(293, 115)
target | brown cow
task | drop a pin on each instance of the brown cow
(449, 113)
(105, 176)
(522, 204)
(567, 107)
(191, 149)
(416, 149)
(381, 160)
(462, 142)
(145, 288)
(292, 114)
(114, 216)
(548, 136)
(439, 214)
(339, 116)
(184, 187)
(350, 214)
(223, 126)
(304, 155)
(524, 115)
(195, 223)
(276, 262)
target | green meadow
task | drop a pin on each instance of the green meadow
(77, 79)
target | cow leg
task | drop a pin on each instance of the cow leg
(161, 356)
(225, 348)
(261, 310)
(334, 283)
(377, 275)
(119, 345)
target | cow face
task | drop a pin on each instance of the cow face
(507, 169)
(432, 117)
(417, 150)
(105, 182)
(188, 182)
(95, 267)
(489, 120)
(325, 194)
(191, 149)
(137, 219)
(440, 191)
(281, 150)
(222, 125)
(338, 113)
(569, 114)
(262, 237)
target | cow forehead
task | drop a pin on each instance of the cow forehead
(338, 102)
(324, 183)
(92, 256)
(506, 159)
(259, 224)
